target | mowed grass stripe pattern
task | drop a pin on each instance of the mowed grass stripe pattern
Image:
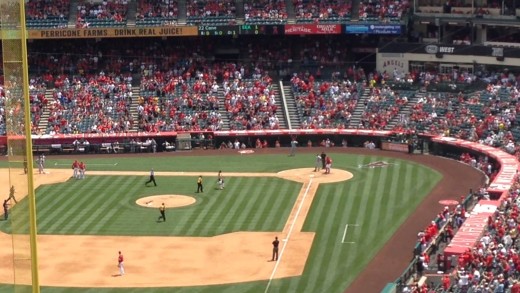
(105, 205)
(389, 194)
(362, 202)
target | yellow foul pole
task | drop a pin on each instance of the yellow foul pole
(28, 153)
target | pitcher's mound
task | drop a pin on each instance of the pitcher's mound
(304, 174)
(169, 200)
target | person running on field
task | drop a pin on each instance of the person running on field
(152, 178)
(220, 180)
(11, 194)
(162, 210)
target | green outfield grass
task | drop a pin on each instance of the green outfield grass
(374, 204)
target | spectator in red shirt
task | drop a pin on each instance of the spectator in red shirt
(446, 282)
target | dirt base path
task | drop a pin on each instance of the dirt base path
(172, 261)
(386, 266)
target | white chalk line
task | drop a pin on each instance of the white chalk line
(286, 240)
(101, 164)
(345, 234)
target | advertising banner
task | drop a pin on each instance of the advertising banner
(374, 29)
(78, 33)
(312, 29)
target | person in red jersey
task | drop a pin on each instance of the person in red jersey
(75, 168)
(120, 264)
(328, 164)
(82, 169)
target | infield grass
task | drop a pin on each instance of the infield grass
(374, 204)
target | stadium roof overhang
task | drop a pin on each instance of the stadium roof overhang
(432, 18)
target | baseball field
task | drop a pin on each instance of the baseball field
(331, 226)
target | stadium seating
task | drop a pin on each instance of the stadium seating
(168, 102)
(376, 11)
(381, 107)
(154, 13)
(265, 12)
(102, 14)
(42, 14)
(3, 126)
(493, 264)
(325, 104)
(308, 11)
(250, 103)
(97, 104)
(210, 12)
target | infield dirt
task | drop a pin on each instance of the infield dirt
(152, 261)
(385, 267)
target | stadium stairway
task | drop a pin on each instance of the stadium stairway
(222, 109)
(355, 119)
(44, 119)
(181, 5)
(131, 12)
(136, 93)
(404, 114)
(355, 10)
(240, 16)
(291, 15)
(280, 109)
(294, 115)
(73, 10)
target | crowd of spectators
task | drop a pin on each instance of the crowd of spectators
(38, 102)
(381, 106)
(327, 104)
(3, 107)
(90, 13)
(167, 9)
(271, 10)
(486, 116)
(91, 104)
(493, 264)
(44, 9)
(309, 10)
(171, 102)
(251, 102)
(383, 10)
(199, 11)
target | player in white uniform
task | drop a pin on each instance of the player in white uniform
(41, 164)
(220, 180)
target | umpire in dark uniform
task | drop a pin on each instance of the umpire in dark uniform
(200, 188)
(152, 178)
(276, 243)
(323, 157)
(6, 209)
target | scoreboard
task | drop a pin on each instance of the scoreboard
(297, 29)
(235, 30)
(218, 30)
(255, 29)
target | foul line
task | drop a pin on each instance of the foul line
(345, 233)
(101, 164)
(286, 240)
